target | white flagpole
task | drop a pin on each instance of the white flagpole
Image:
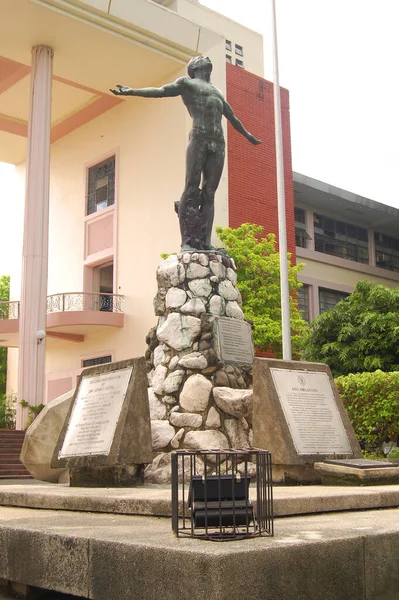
(282, 227)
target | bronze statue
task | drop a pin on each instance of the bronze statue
(206, 148)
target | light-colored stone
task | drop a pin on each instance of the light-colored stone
(213, 419)
(186, 420)
(159, 356)
(162, 433)
(236, 434)
(41, 439)
(157, 408)
(169, 400)
(173, 363)
(195, 360)
(160, 470)
(227, 290)
(218, 269)
(206, 440)
(175, 443)
(217, 305)
(200, 287)
(194, 396)
(170, 272)
(175, 409)
(214, 279)
(232, 275)
(193, 306)
(196, 271)
(175, 297)
(179, 331)
(158, 378)
(203, 260)
(186, 258)
(173, 381)
(150, 375)
(233, 310)
(237, 403)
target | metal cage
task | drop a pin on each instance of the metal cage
(222, 494)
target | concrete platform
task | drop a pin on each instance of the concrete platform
(338, 556)
(156, 501)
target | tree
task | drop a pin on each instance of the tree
(4, 295)
(258, 271)
(360, 334)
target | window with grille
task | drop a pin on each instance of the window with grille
(101, 186)
(239, 63)
(228, 58)
(303, 302)
(229, 46)
(386, 252)
(329, 298)
(341, 239)
(100, 360)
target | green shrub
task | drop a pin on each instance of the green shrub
(7, 411)
(372, 402)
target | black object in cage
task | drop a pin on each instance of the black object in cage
(222, 494)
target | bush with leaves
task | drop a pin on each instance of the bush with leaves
(360, 334)
(258, 271)
(7, 411)
(372, 402)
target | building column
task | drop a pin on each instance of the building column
(32, 324)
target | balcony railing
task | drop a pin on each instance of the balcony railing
(9, 310)
(71, 302)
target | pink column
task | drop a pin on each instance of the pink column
(31, 373)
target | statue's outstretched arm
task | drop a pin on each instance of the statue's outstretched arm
(230, 116)
(166, 91)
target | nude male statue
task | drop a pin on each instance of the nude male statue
(206, 149)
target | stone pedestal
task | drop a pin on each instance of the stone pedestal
(198, 398)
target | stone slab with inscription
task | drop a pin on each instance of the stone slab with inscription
(233, 341)
(357, 472)
(106, 438)
(300, 418)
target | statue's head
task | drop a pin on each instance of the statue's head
(199, 62)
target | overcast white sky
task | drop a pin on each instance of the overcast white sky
(339, 60)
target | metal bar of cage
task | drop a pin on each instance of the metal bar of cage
(211, 494)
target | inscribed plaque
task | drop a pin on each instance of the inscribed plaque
(311, 412)
(235, 341)
(95, 414)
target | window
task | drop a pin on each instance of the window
(386, 252)
(100, 360)
(329, 298)
(229, 58)
(341, 239)
(303, 302)
(301, 237)
(239, 63)
(239, 50)
(229, 46)
(101, 186)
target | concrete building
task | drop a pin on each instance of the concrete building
(341, 238)
(110, 169)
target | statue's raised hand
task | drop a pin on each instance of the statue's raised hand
(123, 90)
(253, 140)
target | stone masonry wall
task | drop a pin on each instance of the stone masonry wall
(196, 400)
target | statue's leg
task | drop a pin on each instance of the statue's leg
(188, 211)
(211, 177)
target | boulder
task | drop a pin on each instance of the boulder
(234, 402)
(195, 394)
(41, 439)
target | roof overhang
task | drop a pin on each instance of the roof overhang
(96, 43)
(345, 205)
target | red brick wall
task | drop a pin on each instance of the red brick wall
(252, 169)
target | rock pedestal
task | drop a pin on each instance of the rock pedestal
(197, 400)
